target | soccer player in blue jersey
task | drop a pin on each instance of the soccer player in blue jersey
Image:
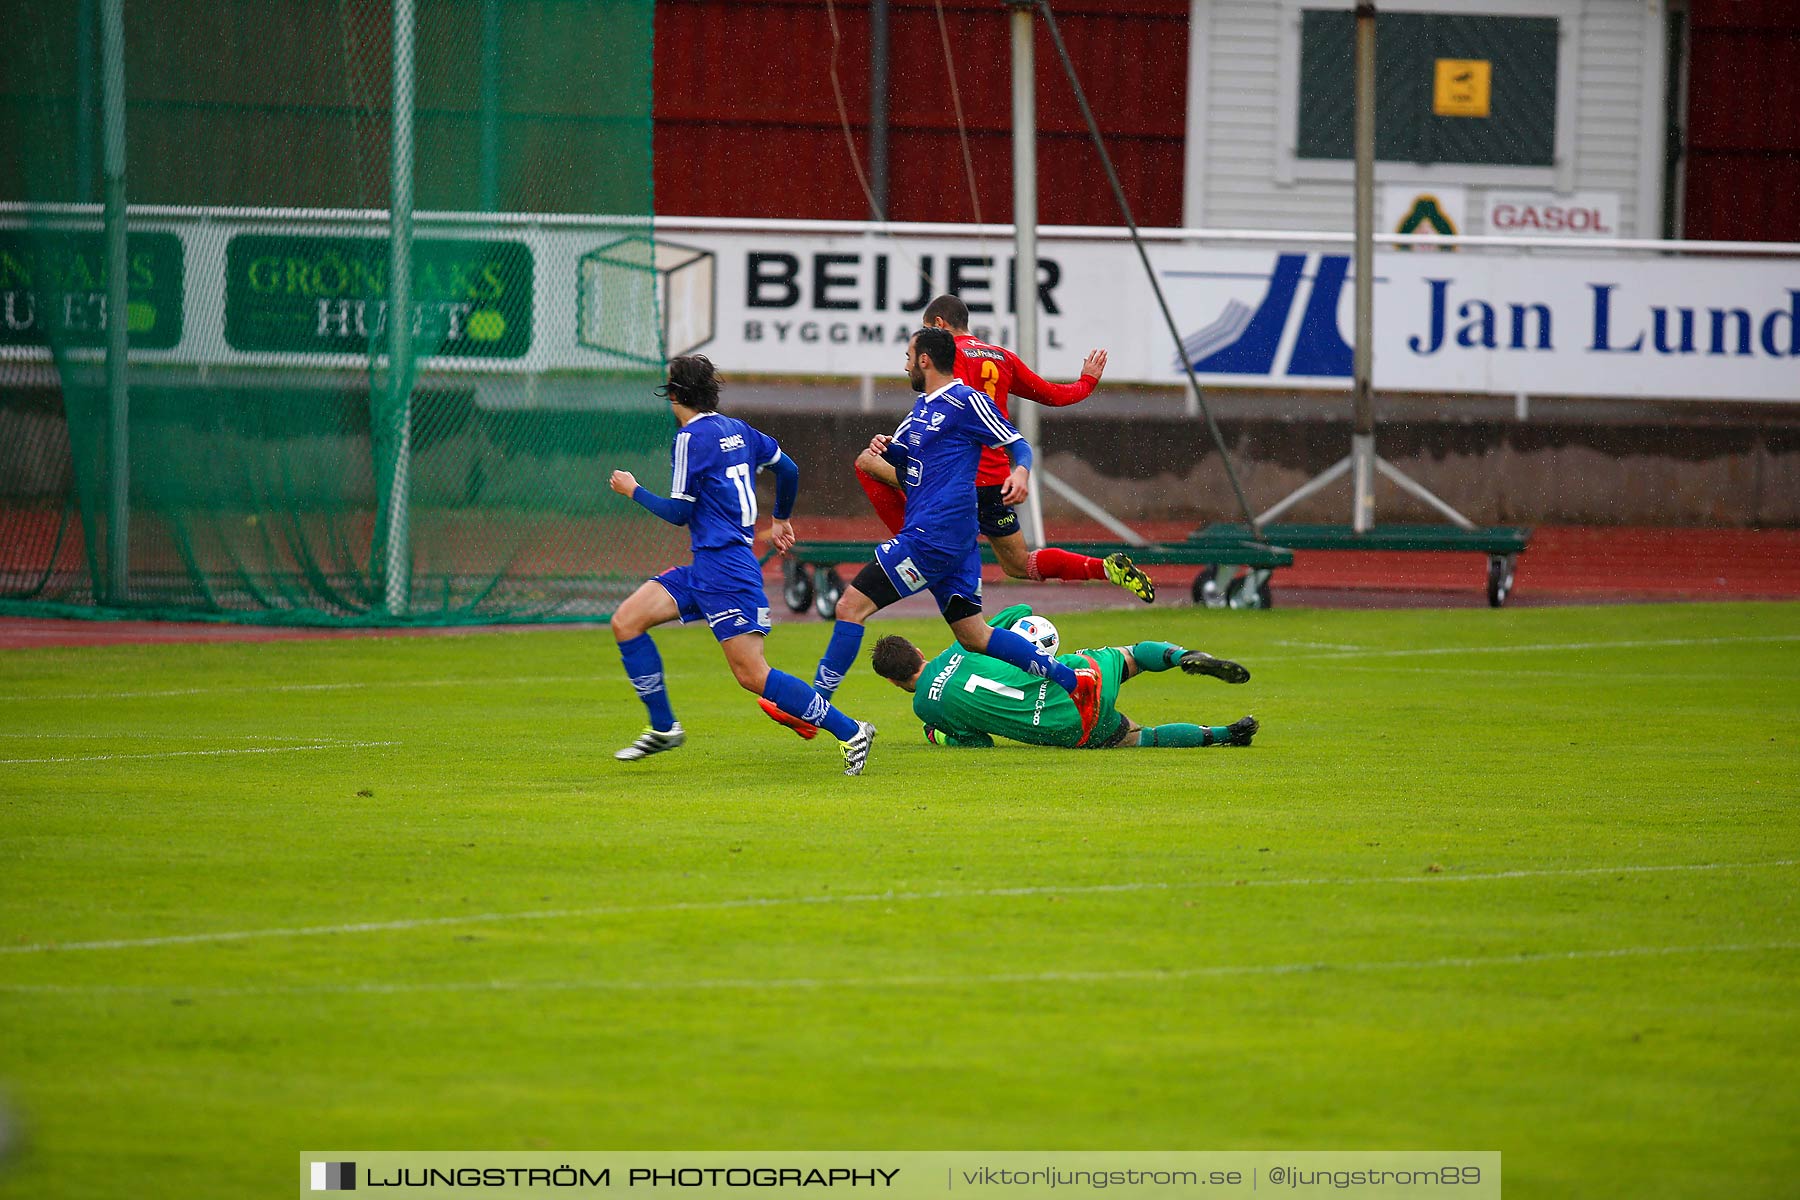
(715, 461)
(935, 451)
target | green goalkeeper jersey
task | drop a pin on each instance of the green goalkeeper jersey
(967, 697)
(970, 698)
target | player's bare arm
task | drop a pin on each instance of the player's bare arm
(1018, 486)
(877, 467)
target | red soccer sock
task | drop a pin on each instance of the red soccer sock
(1051, 563)
(889, 501)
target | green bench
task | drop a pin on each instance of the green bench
(1501, 543)
(809, 573)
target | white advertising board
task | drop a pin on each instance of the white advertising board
(779, 303)
(1489, 322)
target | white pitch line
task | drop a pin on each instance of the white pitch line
(613, 910)
(79, 758)
(165, 737)
(1537, 647)
(346, 686)
(1335, 655)
(893, 982)
(1512, 672)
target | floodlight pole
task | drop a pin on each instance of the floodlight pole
(878, 109)
(879, 54)
(399, 315)
(490, 105)
(1025, 289)
(118, 301)
(84, 102)
(1362, 430)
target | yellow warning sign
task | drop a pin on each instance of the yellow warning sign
(1464, 87)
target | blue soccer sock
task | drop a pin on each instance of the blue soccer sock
(795, 699)
(644, 667)
(1009, 647)
(840, 656)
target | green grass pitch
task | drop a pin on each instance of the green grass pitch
(1525, 881)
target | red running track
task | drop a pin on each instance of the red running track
(1566, 565)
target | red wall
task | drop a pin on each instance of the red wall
(1743, 122)
(746, 123)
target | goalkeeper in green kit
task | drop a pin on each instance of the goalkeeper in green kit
(969, 699)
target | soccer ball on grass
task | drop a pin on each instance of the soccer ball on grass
(1039, 632)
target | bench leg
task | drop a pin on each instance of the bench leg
(1248, 590)
(1216, 585)
(796, 585)
(1206, 591)
(828, 587)
(1500, 578)
(1251, 589)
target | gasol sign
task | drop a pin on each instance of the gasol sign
(328, 295)
(53, 289)
(1545, 214)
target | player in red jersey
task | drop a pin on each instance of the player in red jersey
(999, 372)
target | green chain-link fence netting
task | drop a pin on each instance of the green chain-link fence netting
(253, 456)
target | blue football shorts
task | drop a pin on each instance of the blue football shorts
(728, 613)
(914, 568)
